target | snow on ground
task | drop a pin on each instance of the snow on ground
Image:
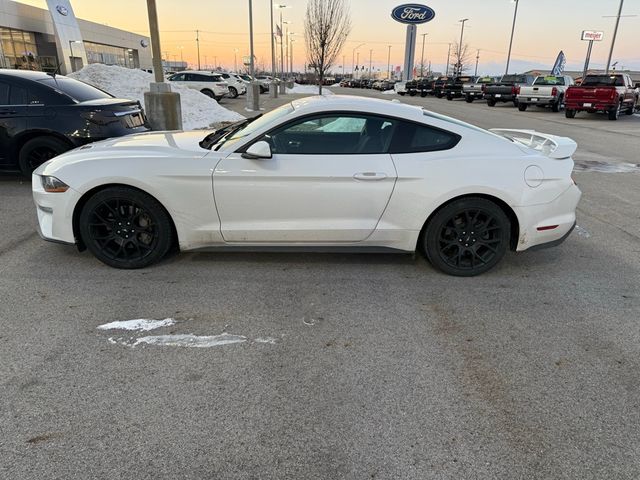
(308, 89)
(389, 92)
(190, 340)
(140, 324)
(198, 110)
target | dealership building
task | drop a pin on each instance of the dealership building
(37, 39)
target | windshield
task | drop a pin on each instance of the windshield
(514, 79)
(549, 81)
(602, 81)
(78, 91)
(237, 131)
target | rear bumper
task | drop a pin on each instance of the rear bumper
(533, 100)
(559, 214)
(501, 97)
(588, 106)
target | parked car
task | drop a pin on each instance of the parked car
(506, 90)
(440, 84)
(237, 86)
(43, 115)
(210, 84)
(612, 94)
(474, 90)
(387, 85)
(421, 85)
(400, 88)
(264, 81)
(453, 89)
(546, 91)
(393, 175)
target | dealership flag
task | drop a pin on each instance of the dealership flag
(278, 31)
(558, 67)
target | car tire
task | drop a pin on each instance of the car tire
(233, 92)
(557, 106)
(516, 103)
(522, 107)
(423, 94)
(126, 228)
(402, 94)
(39, 150)
(469, 99)
(570, 113)
(467, 237)
(614, 113)
(630, 110)
(491, 102)
(208, 93)
(439, 95)
(413, 94)
(450, 98)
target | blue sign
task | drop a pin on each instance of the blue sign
(413, 14)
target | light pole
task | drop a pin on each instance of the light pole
(353, 60)
(448, 60)
(235, 59)
(370, 62)
(358, 62)
(291, 42)
(389, 63)
(460, 45)
(181, 54)
(477, 60)
(615, 33)
(513, 29)
(198, 45)
(422, 58)
(344, 57)
(273, 46)
(253, 95)
(285, 39)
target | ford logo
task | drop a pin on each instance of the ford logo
(62, 10)
(412, 13)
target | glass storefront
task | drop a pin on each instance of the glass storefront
(18, 49)
(109, 55)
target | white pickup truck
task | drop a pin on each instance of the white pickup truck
(547, 91)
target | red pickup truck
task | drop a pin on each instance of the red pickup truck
(610, 93)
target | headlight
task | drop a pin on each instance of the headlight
(53, 185)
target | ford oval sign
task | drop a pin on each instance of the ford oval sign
(413, 14)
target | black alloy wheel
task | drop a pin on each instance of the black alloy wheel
(126, 228)
(37, 151)
(467, 237)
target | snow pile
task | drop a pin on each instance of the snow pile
(308, 89)
(198, 110)
(389, 92)
(141, 324)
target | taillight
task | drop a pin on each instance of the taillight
(554, 91)
(515, 90)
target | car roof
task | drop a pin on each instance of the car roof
(26, 74)
(357, 104)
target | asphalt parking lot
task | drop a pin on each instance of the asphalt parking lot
(345, 366)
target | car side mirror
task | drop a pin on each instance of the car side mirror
(258, 151)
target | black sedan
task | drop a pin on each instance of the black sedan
(43, 115)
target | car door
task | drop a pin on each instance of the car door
(13, 120)
(329, 181)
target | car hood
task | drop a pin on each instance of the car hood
(174, 145)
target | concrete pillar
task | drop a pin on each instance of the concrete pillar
(283, 87)
(253, 97)
(273, 90)
(163, 108)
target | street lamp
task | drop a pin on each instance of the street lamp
(353, 60)
(448, 60)
(389, 63)
(460, 45)
(283, 40)
(235, 59)
(280, 7)
(615, 32)
(370, 63)
(422, 58)
(513, 28)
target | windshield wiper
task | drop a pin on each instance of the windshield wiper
(211, 139)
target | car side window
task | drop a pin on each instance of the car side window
(334, 135)
(22, 96)
(413, 138)
(4, 93)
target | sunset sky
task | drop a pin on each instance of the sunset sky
(544, 28)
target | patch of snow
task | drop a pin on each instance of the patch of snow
(191, 341)
(269, 340)
(308, 89)
(389, 92)
(198, 110)
(139, 324)
(335, 85)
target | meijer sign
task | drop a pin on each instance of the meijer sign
(412, 13)
(591, 35)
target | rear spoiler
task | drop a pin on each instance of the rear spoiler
(551, 146)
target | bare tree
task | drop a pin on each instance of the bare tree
(460, 58)
(327, 25)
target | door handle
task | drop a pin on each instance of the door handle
(370, 176)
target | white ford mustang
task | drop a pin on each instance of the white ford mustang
(319, 173)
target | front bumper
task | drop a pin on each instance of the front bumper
(560, 213)
(55, 212)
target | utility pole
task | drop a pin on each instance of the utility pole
(460, 46)
(615, 34)
(253, 94)
(448, 60)
(358, 61)
(353, 60)
(422, 57)
(273, 46)
(477, 60)
(198, 45)
(344, 57)
(370, 63)
(513, 29)
(389, 63)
